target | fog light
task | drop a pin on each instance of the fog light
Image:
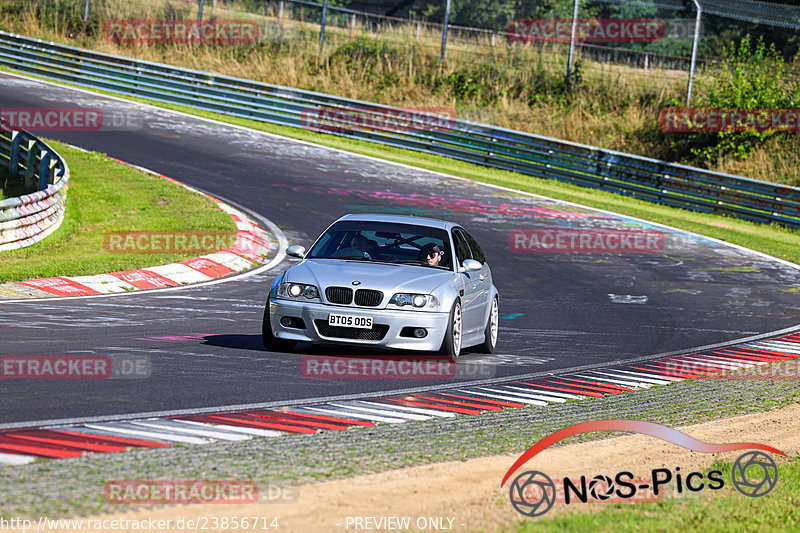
(420, 332)
(286, 322)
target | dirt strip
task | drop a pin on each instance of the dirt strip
(464, 496)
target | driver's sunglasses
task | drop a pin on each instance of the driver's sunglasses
(433, 253)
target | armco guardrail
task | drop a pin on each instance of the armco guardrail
(28, 219)
(649, 179)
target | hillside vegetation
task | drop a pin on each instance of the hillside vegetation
(515, 86)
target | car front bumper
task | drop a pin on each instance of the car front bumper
(315, 319)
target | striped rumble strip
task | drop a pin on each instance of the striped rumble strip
(21, 446)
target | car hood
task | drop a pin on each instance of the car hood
(384, 277)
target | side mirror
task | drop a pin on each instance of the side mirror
(470, 265)
(296, 250)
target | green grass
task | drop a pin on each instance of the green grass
(723, 510)
(106, 196)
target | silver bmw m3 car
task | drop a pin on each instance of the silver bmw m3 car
(389, 281)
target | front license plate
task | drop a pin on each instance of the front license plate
(350, 321)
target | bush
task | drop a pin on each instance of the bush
(750, 78)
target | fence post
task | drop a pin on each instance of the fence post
(30, 163)
(646, 61)
(86, 12)
(200, 14)
(444, 31)
(352, 24)
(694, 52)
(13, 165)
(572, 41)
(44, 170)
(418, 28)
(322, 25)
(494, 37)
(280, 11)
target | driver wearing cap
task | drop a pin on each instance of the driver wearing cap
(430, 254)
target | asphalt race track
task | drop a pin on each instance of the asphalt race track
(558, 310)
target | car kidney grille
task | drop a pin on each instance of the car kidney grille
(377, 332)
(368, 297)
(339, 295)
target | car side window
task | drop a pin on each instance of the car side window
(477, 253)
(462, 248)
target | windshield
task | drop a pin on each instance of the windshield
(386, 242)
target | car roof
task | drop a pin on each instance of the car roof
(401, 219)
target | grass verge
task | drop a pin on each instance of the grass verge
(106, 196)
(773, 240)
(724, 510)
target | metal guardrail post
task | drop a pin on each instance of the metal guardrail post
(44, 170)
(13, 165)
(30, 163)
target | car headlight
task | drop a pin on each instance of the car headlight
(416, 301)
(297, 291)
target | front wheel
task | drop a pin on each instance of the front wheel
(271, 342)
(451, 345)
(490, 332)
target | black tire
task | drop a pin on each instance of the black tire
(490, 332)
(451, 344)
(271, 342)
